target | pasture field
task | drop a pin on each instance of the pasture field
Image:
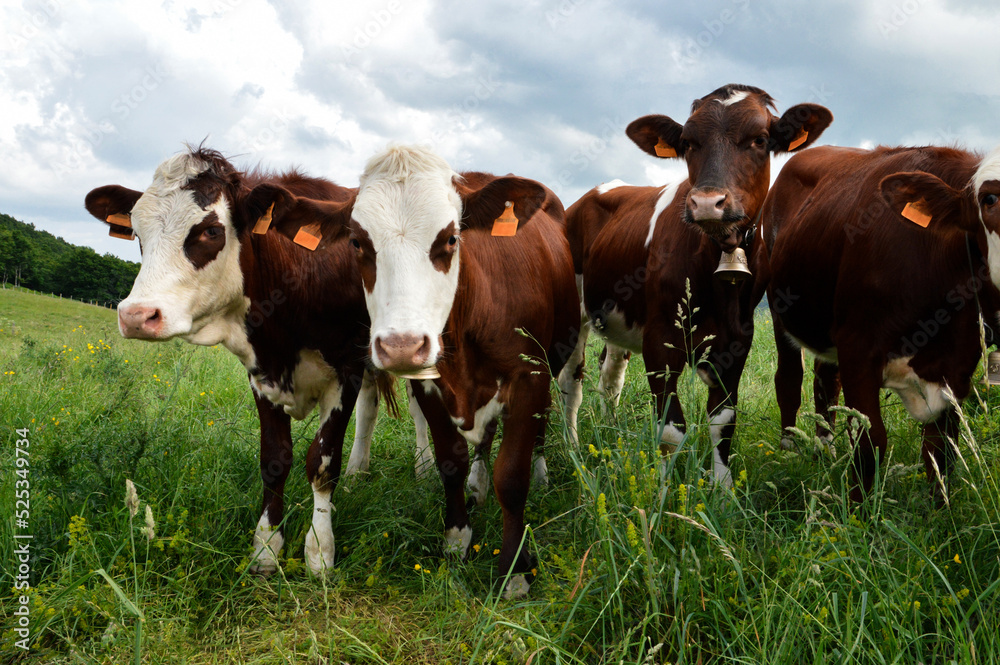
(634, 566)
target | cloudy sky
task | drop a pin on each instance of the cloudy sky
(93, 93)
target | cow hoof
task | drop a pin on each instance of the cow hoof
(457, 541)
(264, 568)
(424, 469)
(517, 587)
(267, 544)
(319, 553)
(787, 443)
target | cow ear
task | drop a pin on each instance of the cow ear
(112, 204)
(658, 135)
(311, 223)
(482, 207)
(799, 127)
(924, 199)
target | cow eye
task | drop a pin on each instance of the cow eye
(452, 241)
(212, 232)
(355, 243)
(760, 141)
(989, 200)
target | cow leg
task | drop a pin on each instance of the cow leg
(938, 453)
(861, 392)
(663, 368)
(424, 465)
(478, 482)
(275, 462)
(614, 362)
(452, 454)
(323, 470)
(524, 427)
(366, 412)
(723, 396)
(787, 380)
(826, 393)
(570, 380)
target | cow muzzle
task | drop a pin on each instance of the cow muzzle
(402, 353)
(138, 322)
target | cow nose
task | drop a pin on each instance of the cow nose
(707, 206)
(402, 351)
(140, 322)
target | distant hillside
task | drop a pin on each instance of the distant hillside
(38, 260)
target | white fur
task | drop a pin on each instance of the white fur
(989, 169)
(457, 541)
(425, 463)
(721, 471)
(206, 306)
(993, 255)
(671, 435)
(616, 332)
(826, 355)
(406, 198)
(478, 482)
(667, 195)
(540, 475)
(365, 414)
(924, 400)
(319, 539)
(735, 97)
(725, 417)
(613, 375)
(267, 544)
(313, 382)
(483, 417)
(706, 377)
(606, 187)
(517, 587)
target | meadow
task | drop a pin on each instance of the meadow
(635, 565)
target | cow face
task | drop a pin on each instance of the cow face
(727, 143)
(407, 226)
(942, 208)
(189, 284)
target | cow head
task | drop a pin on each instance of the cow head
(727, 143)
(190, 284)
(926, 199)
(408, 221)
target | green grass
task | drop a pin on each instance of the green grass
(632, 567)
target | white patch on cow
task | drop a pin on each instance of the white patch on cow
(456, 541)
(483, 417)
(606, 187)
(540, 473)
(205, 306)
(616, 332)
(517, 587)
(425, 464)
(720, 470)
(312, 382)
(666, 196)
(570, 387)
(734, 97)
(406, 198)
(924, 400)
(267, 544)
(706, 377)
(613, 374)
(989, 169)
(430, 388)
(993, 255)
(319, 539)
(365, 414)
(725, 417)
(828, 356)
(478, 482)
(671, 435)
(826, 443)
(324, 462)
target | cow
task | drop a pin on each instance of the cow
(872, 294)
(645, 256)
(469, 283)
(296, 318)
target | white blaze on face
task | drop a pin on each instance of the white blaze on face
(988, 174)
(409, 209)
(204, 305)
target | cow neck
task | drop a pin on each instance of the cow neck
(748, 237)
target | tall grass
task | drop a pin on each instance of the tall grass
(639, 560)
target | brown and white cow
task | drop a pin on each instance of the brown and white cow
(891, 304)
(645, 256)
(488, 314)
(295, 318)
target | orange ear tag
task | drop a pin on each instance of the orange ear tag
(120, 219)
(799, 140)
(264, 223)
(308, 237)
(506, 223)
(664, 150)
(122, 232)
(916, 212)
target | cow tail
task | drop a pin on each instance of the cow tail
(385, 384)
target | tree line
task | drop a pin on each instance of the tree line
(38, 260)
